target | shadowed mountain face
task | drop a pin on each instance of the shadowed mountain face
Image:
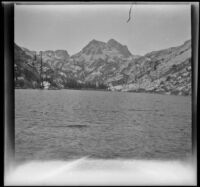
(111, 63)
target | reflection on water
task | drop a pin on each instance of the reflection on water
(65, 124)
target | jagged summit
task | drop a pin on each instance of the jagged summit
(99, 49)
(113, 42)
(123, 49)
(96, 41)
(92, 46)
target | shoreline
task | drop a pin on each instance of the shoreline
(129, 91)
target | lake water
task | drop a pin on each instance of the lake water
(66, 124)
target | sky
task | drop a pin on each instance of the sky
(71, 27)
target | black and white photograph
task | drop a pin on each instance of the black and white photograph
(103, 94)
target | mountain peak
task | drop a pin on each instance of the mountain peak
(93, 46)
(113, 41)
(94, 41)
(122, 48)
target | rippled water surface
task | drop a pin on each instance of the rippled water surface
(65, 124)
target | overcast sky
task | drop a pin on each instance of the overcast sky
(71, 27)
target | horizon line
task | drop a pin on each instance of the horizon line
(15, 43)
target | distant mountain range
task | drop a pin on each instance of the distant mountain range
(166, 71)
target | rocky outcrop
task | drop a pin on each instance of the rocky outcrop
(166, 71)
(26, 74)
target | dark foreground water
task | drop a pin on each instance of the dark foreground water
(66, 124)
